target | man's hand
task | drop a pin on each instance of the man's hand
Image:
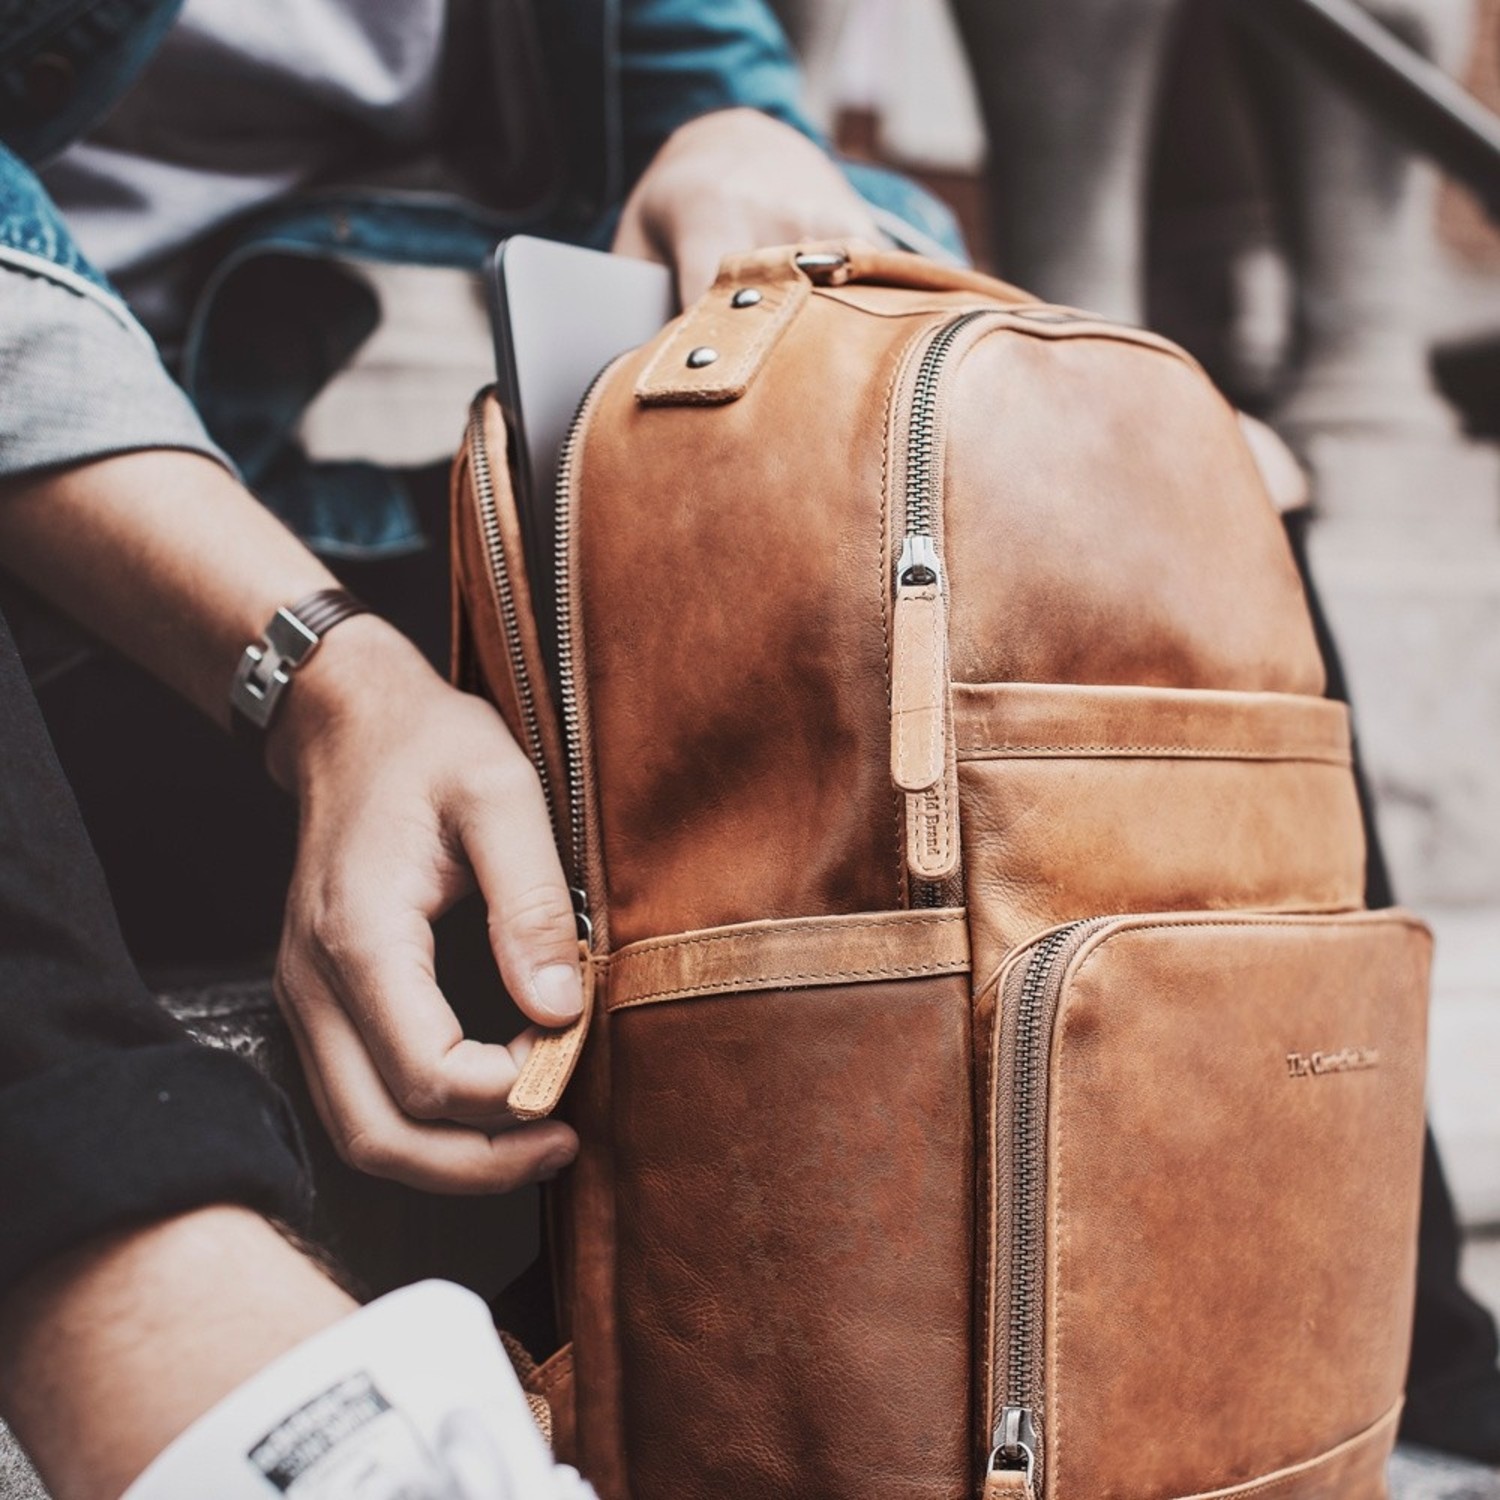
(412, 793)
(734, 181)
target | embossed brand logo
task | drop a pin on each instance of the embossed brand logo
(1345, 1060)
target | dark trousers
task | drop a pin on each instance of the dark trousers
(109, 1115)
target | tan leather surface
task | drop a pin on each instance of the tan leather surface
(740, 338)
(919, 687)
(1231, 1243)
(1007, 1484)
(1107, 524)
(1104, 523)
(811, 951)
(795, 1199)
(739, 654)
(1002, 720)
(554, 1055)
(1079, 801)
(581, 1211)
(1355, 1470)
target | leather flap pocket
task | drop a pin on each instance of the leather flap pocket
(1080, 800)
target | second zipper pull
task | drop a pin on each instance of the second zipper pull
(923, 763)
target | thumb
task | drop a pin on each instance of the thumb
(532, 927)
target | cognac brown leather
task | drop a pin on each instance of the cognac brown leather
(986, 1018)
(760, 955)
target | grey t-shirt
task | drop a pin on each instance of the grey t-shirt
(242, 104)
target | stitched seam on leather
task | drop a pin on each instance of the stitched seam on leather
(935, 720)
(735, 377)
(887, 503)
(551, 1374)
(1053, 333)
(1357, 917)
(897, 920)
(949, 776)
(751, 983)
(1299, 1472)
(794, 297)
(551, 1061)
(1181, 752)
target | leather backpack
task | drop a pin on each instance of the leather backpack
(993, 1085)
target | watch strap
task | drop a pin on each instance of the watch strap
(266, 668)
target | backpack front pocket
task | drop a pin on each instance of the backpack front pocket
(1170, 1097)
(793, 1158)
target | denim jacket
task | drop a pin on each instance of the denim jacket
(612, 79)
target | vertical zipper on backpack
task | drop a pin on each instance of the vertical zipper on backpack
(919, 563)
(1020, 1099)
(494, 543)
(922, 754)
(539, 1086)
(567, 660)
(572, 839)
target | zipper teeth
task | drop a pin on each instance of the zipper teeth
(922, 434)
(1026, 1220)
(484, 487)
(567, 672)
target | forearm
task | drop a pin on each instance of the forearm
(164, 555)
(110, 1352)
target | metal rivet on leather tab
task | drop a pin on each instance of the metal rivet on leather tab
(701, 356)
(747, 296)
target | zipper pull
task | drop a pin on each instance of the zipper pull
(919, 668)
(1012, 1471)
(545, 1073)
(1008, 1484)
(923, 761)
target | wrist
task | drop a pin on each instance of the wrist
(362, 675)
(412, 1394)
(113, 1348)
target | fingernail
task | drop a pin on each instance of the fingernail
(557, 993)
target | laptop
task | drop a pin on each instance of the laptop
(560, 315)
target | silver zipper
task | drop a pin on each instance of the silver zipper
(1015, 1439)
(567, 667)
(489, 521)
(919, 563)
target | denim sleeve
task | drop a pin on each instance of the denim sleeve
(682, 58)
(81, 377)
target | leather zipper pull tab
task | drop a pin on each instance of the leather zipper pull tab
(1008, 1484)
(924, 763)
(919, 687)
(545, 1074)
(932, 847)
(919, 669)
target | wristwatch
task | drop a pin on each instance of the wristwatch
(266, 669)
